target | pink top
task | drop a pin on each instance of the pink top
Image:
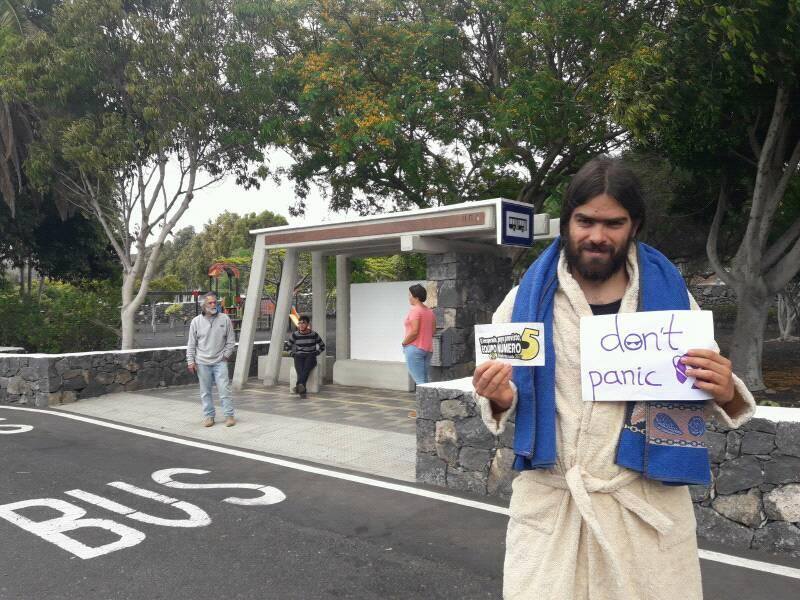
(427, 325)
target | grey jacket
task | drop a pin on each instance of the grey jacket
(211, 339)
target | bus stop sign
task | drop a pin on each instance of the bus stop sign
(515, 227)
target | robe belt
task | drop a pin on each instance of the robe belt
(580, 484)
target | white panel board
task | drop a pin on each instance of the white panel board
(377, 311)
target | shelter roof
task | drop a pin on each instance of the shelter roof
(469, 226)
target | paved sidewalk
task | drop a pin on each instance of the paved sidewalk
(319, 429)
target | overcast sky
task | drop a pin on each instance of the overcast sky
(212, 201)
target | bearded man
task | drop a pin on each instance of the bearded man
(210, 346)
(593, 514)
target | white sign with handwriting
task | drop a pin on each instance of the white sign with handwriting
(518, 344)
(636, 356)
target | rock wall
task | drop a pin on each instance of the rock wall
(454, 448)
(713, 295)
(43, 380)
(753, 502)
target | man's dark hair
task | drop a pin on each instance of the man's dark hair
(418, 292)
(305, 318)
(604, 175)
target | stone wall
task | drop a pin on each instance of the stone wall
(469, 287)
(454, 448)
(753, 502)
(713, 295)
(43, 380)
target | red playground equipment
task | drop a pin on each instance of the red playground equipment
(231, 299)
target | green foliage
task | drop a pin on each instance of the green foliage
(700, 89)
(72, 249)
(127, 92)
(225, 239)
(174, 310)
(168, 283)
(711, 91)
(125, 84)
(433, 102)
(66, 319)
(399, 267)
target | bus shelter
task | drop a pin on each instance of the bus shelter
(485, 231)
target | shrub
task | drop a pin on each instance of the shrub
(68, 318)
(174, 310)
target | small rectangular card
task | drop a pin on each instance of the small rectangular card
(636, 356)
(518, 344)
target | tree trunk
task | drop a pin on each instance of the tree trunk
(748, 337)
(41, 288)
(127, 311)
(128, 327)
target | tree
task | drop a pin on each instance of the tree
(19, 20)
(171, 249)
(127, 87)
(428, 102)
(15, 120)
(229, 233)
(717, 92)
(73, 250)
(190, 255)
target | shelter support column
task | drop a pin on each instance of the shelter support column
(288, 277)
(318, 305)
(252, 308)
(342, 307)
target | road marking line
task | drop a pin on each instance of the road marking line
(277, 461)
(747, 563)
(728, 559)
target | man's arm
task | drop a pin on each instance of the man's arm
(494, 379)
(320, 344)
(733, 403)
(230, 341)
(191, 346)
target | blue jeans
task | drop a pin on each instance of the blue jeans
(208, 375)
(418, 361)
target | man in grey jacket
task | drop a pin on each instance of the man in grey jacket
(210, 346)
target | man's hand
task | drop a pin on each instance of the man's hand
(492, 380)
(713, 373)
(192, 368)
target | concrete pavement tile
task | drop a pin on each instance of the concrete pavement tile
(351, 434)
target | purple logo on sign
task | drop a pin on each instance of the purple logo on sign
(680, 370)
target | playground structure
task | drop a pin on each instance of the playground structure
(230, 300)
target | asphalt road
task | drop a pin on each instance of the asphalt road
(306, 534)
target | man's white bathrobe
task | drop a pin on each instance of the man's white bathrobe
(589, 529)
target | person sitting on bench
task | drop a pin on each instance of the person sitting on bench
(306, 346)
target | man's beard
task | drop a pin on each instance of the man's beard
(596, 268)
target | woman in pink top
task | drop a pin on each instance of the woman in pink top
(418, 341)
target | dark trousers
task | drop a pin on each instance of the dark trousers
(303, 363)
